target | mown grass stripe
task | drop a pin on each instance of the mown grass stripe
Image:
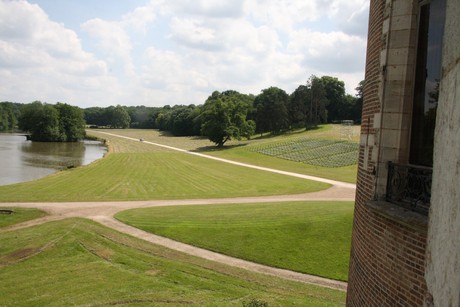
(156, 175)
(308, 237)
(87, 264)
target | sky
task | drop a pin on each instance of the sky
(170, 52)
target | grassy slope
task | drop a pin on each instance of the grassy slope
(345, 174)
(156, 175)
(309, 237)
(19, 215)
(238, 150)
(77, 262)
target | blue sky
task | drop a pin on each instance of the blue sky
(158, 52)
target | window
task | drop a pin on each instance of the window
(427, 77)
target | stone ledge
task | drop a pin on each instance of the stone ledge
(413, 220)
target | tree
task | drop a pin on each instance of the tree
(163, 120)
(297, 106)
(118, 117)
(224, 117)
(142, 116)
(48, 123)
(357, 108)
(94, 116)
(71, 122)
(337, 108)
(42, 121)
(316, 103)
(9, 113)
(271, 108)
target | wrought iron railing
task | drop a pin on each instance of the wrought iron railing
(409, 186)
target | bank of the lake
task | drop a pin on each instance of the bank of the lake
(22, 160)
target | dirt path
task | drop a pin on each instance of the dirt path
(103, 213)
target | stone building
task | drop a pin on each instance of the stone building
(406, 230)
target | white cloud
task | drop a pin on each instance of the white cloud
(141, 17)
(206, 8)
(179, 51)
(334, 52)
(192, 33)
(40, 59)
(113, 40)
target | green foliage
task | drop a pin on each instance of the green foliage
(142, 117)
(9, 113)
(326, 153)
(225, 117)
(118, 117)
(113, 117)
(42, 121)
(342, 106)
(71, 122)
(179, 120)
(308, 237)
(271, 110)
(297, 106)
(335, 94)
(79, 262)
(316, 103)
(48, 123)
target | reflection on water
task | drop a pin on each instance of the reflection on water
(22, 160)
(53, 155)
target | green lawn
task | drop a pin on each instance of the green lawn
(78, 262)
(308, 237)
(19, 215)
(240, 150)
(155, 175)
(345, 173)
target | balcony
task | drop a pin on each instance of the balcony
(409, 186)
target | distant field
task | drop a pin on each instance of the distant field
(18, 215)
(327, 132)
(78, 262)
(308, 237)
(244, 151)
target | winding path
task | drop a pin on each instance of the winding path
(103, 212)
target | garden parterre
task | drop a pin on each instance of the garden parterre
(326, 153)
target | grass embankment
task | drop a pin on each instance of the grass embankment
(78, 262)
(308, 237)
(155, 175)
(18, 215)
(242, 150)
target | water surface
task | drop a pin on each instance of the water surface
(22, 160)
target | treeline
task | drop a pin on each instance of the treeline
(9, 114)
(231, 114)
(223, 116)
(110, 117)
(321, 100)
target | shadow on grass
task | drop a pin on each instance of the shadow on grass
(213, 148)
(291, 132)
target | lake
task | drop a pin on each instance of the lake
(22, 160)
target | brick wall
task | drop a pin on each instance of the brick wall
(387, 256)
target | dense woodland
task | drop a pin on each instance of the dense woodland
(222, 117)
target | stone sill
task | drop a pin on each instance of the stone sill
(413, 220)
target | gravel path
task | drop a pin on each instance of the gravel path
(103, 213)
